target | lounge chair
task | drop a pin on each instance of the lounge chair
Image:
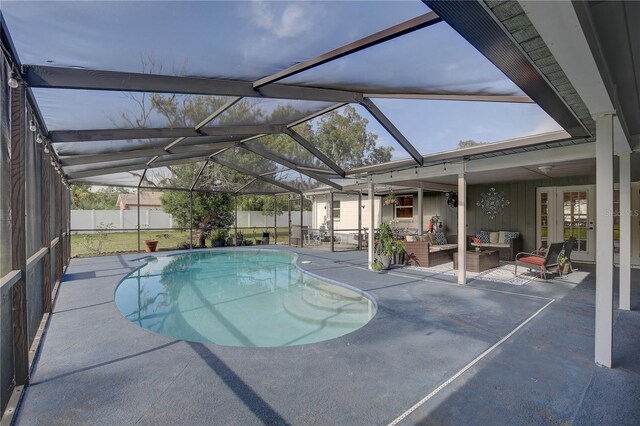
(538, 261)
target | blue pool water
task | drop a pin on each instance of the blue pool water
(239, 298)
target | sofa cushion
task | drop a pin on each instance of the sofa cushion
(509, 235)
(494, 237)
(496, 245)
(534, 260)
(443, 247)
(483, 236)
(440, 238)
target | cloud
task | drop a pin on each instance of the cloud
(287, 22)
(546, 125)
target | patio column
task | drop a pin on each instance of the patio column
(359, 221)
(372, 216)
(420, 211)
(604, 240)
(625, 231)
(462, 229)
(330, 211)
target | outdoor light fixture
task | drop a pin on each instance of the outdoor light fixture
(32, 125)
(46, 149)
(13, 82)
(39, 138)
(545, 169)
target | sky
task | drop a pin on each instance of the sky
(251, 39)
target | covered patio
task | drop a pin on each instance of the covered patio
(281, 102)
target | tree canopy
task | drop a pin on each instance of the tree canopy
(341, 134)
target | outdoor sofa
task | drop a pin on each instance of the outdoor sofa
(498, 240)
(427, 252)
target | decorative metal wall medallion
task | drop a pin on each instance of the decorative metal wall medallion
(492, 203)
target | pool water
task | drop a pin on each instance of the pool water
(255, 298)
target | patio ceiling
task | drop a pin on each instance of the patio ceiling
(89, 85)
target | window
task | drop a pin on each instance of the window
(336, 211)
(404, 207)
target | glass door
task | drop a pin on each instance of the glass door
(564, 212)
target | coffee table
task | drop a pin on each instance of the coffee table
(479, 261)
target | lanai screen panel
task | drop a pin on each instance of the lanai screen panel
(352, 137)
(252, 111)
(66, 109)
(432, 60)
(449, 125)
(127, 179)
(287, 148)
(179, 176)
(236, 40)
(216, 177)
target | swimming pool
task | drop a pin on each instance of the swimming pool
(256, 298)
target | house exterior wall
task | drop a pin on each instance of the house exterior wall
(348, 211)
(520, 215)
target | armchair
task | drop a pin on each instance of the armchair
(538, 261)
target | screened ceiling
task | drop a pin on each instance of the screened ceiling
(261, 96)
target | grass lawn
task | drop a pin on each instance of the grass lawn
(84, 245)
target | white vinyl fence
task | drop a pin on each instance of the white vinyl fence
(88, 220)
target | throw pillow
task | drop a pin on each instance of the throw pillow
(483, 236)
(429, 239)
(440, 238)
(509, 235)
(494, 237)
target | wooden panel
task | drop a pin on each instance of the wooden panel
(19, 254)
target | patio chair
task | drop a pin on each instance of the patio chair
(540, 262)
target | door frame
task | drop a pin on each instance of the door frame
(556, 220)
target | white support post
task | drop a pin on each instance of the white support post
(625, 231)
(604, 240)
(462, 229)
(420, 211)
(372, 216)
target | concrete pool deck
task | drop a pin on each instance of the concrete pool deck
(96, 367)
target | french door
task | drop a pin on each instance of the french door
(564, 212)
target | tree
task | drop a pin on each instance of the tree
(342, 135)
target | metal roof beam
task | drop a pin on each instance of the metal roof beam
(195, 181)
(156, 133)
(390, 33)
(256, 175)
(453, 97)
(315, 151)
(392, 129)
(130, 167)
(245, 185)
(270, 155)
(73, 78)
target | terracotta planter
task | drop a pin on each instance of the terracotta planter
(150, 245)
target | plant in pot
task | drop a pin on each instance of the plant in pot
(390, 199)
(150, 245)
(387, 246)
(563, 263)
(218, 236)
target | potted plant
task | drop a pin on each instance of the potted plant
(477, 242)
(564, 265)
(239, 239)
(390, 199)
(387, 246)
(150, 245)
(218, 236)
(377, 265)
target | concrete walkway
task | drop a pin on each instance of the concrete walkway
(96, 367)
